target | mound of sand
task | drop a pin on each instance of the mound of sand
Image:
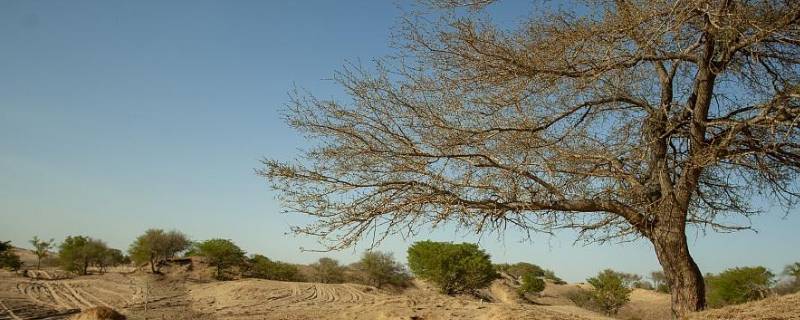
(99, 313)
(773, 308)
(265, 299)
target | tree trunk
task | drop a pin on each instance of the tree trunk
(683, 276)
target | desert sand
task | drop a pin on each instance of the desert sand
(187, 292)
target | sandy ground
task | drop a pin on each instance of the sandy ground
(186, 292)
(183, 297)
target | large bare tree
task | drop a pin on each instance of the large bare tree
(623, 120)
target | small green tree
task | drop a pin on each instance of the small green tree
(610, 292)
(379, 268)
(77, 253)
(327, 270)
(452, 267)
(156, 245)
(792, 283)
(738, 285)
(259, 266)
(223, 254)
(531, 284)
(8, 259)
(41, 248)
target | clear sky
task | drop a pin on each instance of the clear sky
(118, 116)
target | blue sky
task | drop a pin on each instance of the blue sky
(118, 116)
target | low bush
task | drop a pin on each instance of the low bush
(327, 270)
(642, 284)
(379, 269)
(531, 284)
(738, 285)
(259, 266)
(453, 268)
(584, 299)
(8, 259)
(610, 290)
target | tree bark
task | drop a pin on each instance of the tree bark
(683, 276)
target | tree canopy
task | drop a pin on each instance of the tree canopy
(156, 245)
(624, 120)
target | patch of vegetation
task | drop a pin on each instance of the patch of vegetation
(379, 269)
(531, 284)
(156, 246)
(659, 281)
(223, 254)
(327, 270)
(792, 282)
(453, 268)
(259, 266)
(8, 260)
(738, 285)
(78, 253)
(584, 299)
(643, 284)
(519, 269)
(610, 290)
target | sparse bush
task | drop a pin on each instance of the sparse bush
(379, 268)
(660, 281)
(259, 266)
(610, 292)
(109, 258)
(41, 248)
(583, 298)
(738, 285)
(8, 259)
(531, 284)
(549, 274)
(643, 284)
(327, 270)
(519, 269)
(791, 284)
(454, 268)
(77, 253)
(223, 254)
(156, 245)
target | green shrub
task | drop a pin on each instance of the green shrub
(259, 266)
(379, 268)
(583, 298)
(8, 259)
(610, 291)
(223, 254)
(738, 285)
(453, 268)
(327, 270)
(519, 269)
(531, 284)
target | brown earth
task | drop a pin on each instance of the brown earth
(186, 291)
(772, 308)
